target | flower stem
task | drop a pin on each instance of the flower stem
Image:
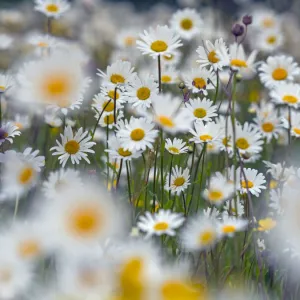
(128, 181)
(170, 175)
(16, 207)
(115, 105)
(162, 148)
(217, 87)
(119, 173)
(159, 73)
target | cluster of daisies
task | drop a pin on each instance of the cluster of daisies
(170, 145)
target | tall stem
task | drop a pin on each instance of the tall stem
(162, 146)
(107, 155)
(119, 174)
(201, 178)
(290, 124)
(170, 175)
(115, 105)
(0, 110)
(159, 73)
(128, 181)
(16, 207)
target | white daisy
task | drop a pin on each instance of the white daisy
(279, 171)
(230, 225)
(200, 80)
(269, 127)
(200, 233)
(255, 181)
(111, 93)
(108, 120)
(126, 39)
(60, 180)
(172, 59)
(180, 180)
(7, 132)
(52, 8)
(159, 41)
(105, 105)
(32, 156)
(187, 23)
(73, 146)
(265, 19)
(163, 222)
(207, 133)
(268, 41)
(287, 94)
(43, 43)
(214, 55)
(278, 69)
(52, 119)
(176, 147)
(137, 134)
(201, 109)
(22, 122)
(6, 82)
(141, 91)
(295, 124)
(169, 75)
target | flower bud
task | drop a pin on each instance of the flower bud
(247, 20)
(237, 30)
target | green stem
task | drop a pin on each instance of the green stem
(16, 207)
(159, 73)
(170, 175)
(217, 87)
(201, 178)
(0, 110)
(107, 155)
(119, 173)
(162, 146)
(128, 182)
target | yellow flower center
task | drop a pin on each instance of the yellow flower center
(186, 24)
(111, 94)
(239, 63)
(297, 130)
(117, 78)
(268, 22)
(290, 99)
(26, 175)
(228, 229)
(242, 143)
(205, 137)
(199, 113)
(108, 106)
(72, 147)
(137, 134)
(244, 184)
(271, 39)
(2, 88)
(207, 237)
(266, 224)
(42, 44)
(123, 152)
(212, 57)
(199, 83)
(267, 127)
(29, 248)
(273, 184)
(166, 78)
(143, 93)
(165, 121)
(168, 57)
(279, 74)
(174, 150)
(129, 41)
(179, 181)
(159, 46)
(178, 290)
(53, 8)
(161, 226)
(226, 141)
(215, 195)
(85, 220)
(109, 119)
(19, 125)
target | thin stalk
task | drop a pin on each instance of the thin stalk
(202, 170)
(115, 105)
(119, 173)
(162, 148)
(159, 73)
(171, 166)
(290, 124)
(154, 179)
(217, 88)
(128, 181)
(107, 155)
(184, 203)
(16, 207)
(0, 110)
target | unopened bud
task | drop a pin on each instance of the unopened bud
(181, 85)
(247, 20)
(237, 30)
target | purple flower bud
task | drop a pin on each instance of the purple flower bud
(247, 20)
(186, 97)
(237, 30)
(3, 134)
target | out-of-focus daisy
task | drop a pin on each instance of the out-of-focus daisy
(7, 132)
(137, 134)
(266, 224)
(30, 155)
(60, 180)
(200, 233)
(265, 19)
(172, 59)
(53, 120)
(6, 82)
(116, 151)
(126, 39)
(248, 139)
(74, 146)
(229, 226)
(295, 124)
(278, 69)
(219, 190)
(141, 91)
(200, 79)
(207, 133)
(43, 43)
(169, 115)
(104, 105)
(169, 75)
(234, 209)
(279, 171)
(287, 94)
(215, 55)
(269, 127)
(187, 23)
(163, 222)
(21, 121)
(255, 181)
(118, 73)
(268, 41)
(52, 8)
(201, 109)
(176, 147)
(6, 41)
(180, 180)
(159, 41)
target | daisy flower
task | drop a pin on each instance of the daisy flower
(32, 156)
(255, 181)
(111, 93)
(169, 115)
(172, 59)
(159, 41)
(265, 19)
(232, 209)
(214, 55)
(163, 222)
(230, 225)
(43, 43)
(287, 94)
(22, 122)
(201, 109)
(52, 8)
(187, 23)
(104, 105)
(118, 73)
(295, 124)
(200, 80)
(269, 127)
(176, 147)
(266, 224)
(74, 146)
(141, 91)
(108, 120)
(137, 134)
(6, 82)
(60, 180)
(53, 120)
(268, 41)
(169, 75)
(7, 132)
(219, 190)
(200, 233)
(116, 151)
(126, 38)
(279, 171)
(207, 133)
(180, 180)
(278, 69)
(248, 139)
